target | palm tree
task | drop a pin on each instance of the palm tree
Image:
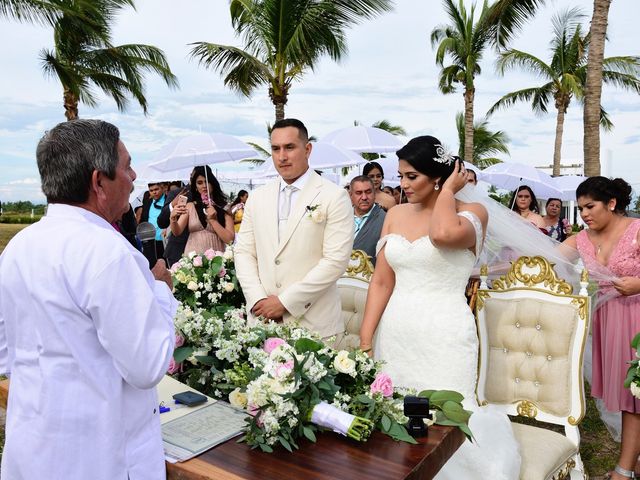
(83, 57)
(282, 41)
(593, 87)
(47, 12)
(486, 144)
(464, 42)
(565, 75)
(387, 126)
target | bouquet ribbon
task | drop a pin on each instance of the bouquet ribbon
(328, 416)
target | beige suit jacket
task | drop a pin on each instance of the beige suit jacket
(303, 267)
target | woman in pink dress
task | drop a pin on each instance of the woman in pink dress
(210, 226)
(611, 245)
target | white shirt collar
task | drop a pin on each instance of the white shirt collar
(299, 183)
(68, 211)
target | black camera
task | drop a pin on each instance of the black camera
(417, 409)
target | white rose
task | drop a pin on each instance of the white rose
(192, 286)
(228, 254)
(191, 254)
(635, 389)
(344, 364)
(317, 216)
(238, 399)
(228, 287)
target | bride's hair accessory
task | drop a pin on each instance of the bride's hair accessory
(442, 156)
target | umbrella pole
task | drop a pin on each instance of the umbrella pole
(206, 181)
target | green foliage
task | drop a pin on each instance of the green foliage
(23, 207)
(83, 56)
(283, 41)
(19, 218)
(565, 74)
(486, 144)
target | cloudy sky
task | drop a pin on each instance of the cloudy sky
(389, 73)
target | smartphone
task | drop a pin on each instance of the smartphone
(182, 200)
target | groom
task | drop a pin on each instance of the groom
(295, 240)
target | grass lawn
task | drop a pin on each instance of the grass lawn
(7, 231)
(599, 452)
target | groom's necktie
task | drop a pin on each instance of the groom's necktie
(285, 208)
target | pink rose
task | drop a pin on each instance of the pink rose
(179, 340)
(270, 344)
(197, 261)
(284, 369)
(174, 367)
(382, 384)
(255, 412)
(222, 272)
(175, 267)
(210, 254)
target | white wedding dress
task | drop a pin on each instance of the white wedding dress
(427, 337)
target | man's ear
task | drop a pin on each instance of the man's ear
(97, 179)
(308, 148)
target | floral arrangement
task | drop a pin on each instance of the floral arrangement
(290, 383)
(633, 374)
(207, 281)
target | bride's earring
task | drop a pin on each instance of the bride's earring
(437, 187)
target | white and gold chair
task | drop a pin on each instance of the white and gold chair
(532, 332)
(353, 287)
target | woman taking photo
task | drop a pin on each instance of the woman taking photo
(524, 202)
(209, 225)
(374, 171)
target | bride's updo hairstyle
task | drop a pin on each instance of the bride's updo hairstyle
(427, 155)
(603, 189)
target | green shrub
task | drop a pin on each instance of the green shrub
(19, 218)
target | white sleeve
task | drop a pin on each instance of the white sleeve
(133, 316)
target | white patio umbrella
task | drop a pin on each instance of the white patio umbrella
(326, 155)
(510, 176)
(201, 149)
(568, 184)
(362, 139)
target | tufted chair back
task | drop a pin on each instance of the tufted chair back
(532, 332)
(353, 286)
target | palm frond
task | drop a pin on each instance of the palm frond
(387, 126)
(507, 17)
(244, 72)
(524, 95)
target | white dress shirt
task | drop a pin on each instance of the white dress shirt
(299, 184)
(86, 333)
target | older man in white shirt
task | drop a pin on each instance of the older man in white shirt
(86, 329)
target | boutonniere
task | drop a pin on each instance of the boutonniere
(314, 213)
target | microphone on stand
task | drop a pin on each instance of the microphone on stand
(146, 232)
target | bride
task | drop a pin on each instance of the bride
(416, 307)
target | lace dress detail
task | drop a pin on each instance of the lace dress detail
(427, 338)
(615, 322)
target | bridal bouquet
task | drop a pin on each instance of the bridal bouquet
(633, 374)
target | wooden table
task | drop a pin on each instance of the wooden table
(331, 457)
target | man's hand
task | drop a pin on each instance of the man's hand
(161, 273)
(270, 308)
(627, 285)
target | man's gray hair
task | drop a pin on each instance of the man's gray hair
(361, 178)
(69, 153)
